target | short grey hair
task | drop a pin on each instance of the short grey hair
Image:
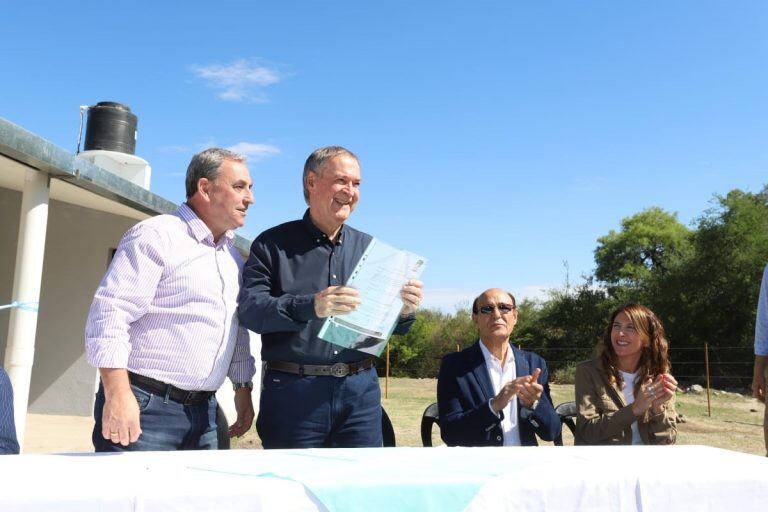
(319, 157)
(205, 164)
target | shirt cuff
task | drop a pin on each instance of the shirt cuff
(303, 308)
(108, 354)
(499, 414)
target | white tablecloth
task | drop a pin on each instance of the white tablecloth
(679, 478)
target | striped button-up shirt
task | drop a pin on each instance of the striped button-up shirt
(167, 306)
(761, 323)
(8, 441)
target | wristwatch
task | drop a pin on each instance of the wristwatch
(238, 385)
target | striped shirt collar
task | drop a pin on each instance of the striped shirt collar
(199, 230)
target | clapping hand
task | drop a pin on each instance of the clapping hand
(654, 394)
(526, 388)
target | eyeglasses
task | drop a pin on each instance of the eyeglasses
(503, 308)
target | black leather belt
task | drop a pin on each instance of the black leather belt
(322, 370)
(162, 389)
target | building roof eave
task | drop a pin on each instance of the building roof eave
(25, 147)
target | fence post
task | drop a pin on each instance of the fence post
(706, 371)
(386, 376)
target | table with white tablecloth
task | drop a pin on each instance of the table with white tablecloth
(627, 478)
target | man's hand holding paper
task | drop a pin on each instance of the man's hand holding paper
(412, 296)
(336, 300)
(387, 289)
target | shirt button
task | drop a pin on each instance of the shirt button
(335, 352)
(317, 240)
(498, 438)
(334, 276)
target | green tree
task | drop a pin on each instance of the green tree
(649, 242)
(565, 328)
(434, 334)
(713, 297)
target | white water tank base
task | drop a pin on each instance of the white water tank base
(129, 167)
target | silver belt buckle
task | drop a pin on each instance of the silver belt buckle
(340, 370)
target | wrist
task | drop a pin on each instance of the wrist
(243, 385)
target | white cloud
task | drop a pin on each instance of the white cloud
(241, 80)
(254, 151)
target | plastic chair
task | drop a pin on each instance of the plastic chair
(567, 413)
(429, 418)
(387, 431)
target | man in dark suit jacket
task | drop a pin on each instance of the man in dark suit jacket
(493, 394)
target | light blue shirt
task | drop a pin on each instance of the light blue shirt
(761, 324)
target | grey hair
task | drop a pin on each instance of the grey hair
(319, 157)
(205, 164)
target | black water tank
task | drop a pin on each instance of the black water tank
(111, 126)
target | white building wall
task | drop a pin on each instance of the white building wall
(10, 204)
(76, 256)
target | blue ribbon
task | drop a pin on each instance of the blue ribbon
(26, 306)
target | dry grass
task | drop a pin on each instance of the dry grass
(735, 424)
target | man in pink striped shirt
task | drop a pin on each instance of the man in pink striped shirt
(163, 328)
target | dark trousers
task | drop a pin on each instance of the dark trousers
(165, 424)
(320, 412)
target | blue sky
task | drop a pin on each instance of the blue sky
(498, 139)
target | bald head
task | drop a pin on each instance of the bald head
(492, 291)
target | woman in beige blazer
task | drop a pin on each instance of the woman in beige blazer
(626, 395)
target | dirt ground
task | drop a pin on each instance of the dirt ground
(735, 422)
(51, 434)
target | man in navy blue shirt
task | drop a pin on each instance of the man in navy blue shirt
(8, 442)
(315, 394)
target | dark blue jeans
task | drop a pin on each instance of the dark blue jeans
(320, 412)
(165, 424)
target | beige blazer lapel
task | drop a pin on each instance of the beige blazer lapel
(614, 392)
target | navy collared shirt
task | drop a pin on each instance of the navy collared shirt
(287, 266)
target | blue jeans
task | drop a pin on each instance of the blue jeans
(320, 412)
(165, 424)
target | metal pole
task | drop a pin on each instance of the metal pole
(706, 370)
(22, 325)
(386, 376)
